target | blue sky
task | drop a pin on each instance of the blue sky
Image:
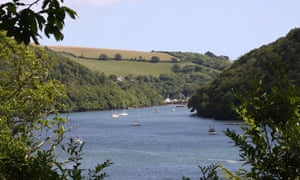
(224, 27)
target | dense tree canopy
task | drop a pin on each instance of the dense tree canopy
(26, 100)
(29, 138)
(88, 90)
(207, 60)
(257, 63)
(24, 20)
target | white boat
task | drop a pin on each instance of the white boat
(212, 130)
(135, 123)
(123, 113)
(180, 105)
(78, 141)
(115, 115)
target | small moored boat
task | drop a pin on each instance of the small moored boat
(115, 115)
(135, 123)
(156, 110)
(212, 131)
(78, 140)
(123, 114)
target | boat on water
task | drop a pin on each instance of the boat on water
(123, 113)
(115, 115)
(156, 110)
(135, 123)
(78, 141)
(180, 105)
(212, 131)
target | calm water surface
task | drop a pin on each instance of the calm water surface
(167, 145)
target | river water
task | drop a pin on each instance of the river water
(168, 144)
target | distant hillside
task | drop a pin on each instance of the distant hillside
(208, 63)
(88, 90)
(95, 53)
(93, 90)
(215, 99)
(170, 79)
(209, 59)
(124, 68)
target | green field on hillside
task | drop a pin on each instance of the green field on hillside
(111, 53)
(124, 68)
(137, 63)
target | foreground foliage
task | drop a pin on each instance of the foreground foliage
(24, 20)
(29, 139)
(269, 143)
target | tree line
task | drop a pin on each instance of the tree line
(118, 57)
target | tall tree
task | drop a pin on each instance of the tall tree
(27, 98)
(118, 56)
(24, 20)
(28, 138)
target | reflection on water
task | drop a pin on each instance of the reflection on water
(168, 144)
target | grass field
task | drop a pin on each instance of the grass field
(124, 68)
(96, 52)
(89, 58)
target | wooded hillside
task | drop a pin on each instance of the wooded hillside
(215, 100)
(105, 84)
(88, 90)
